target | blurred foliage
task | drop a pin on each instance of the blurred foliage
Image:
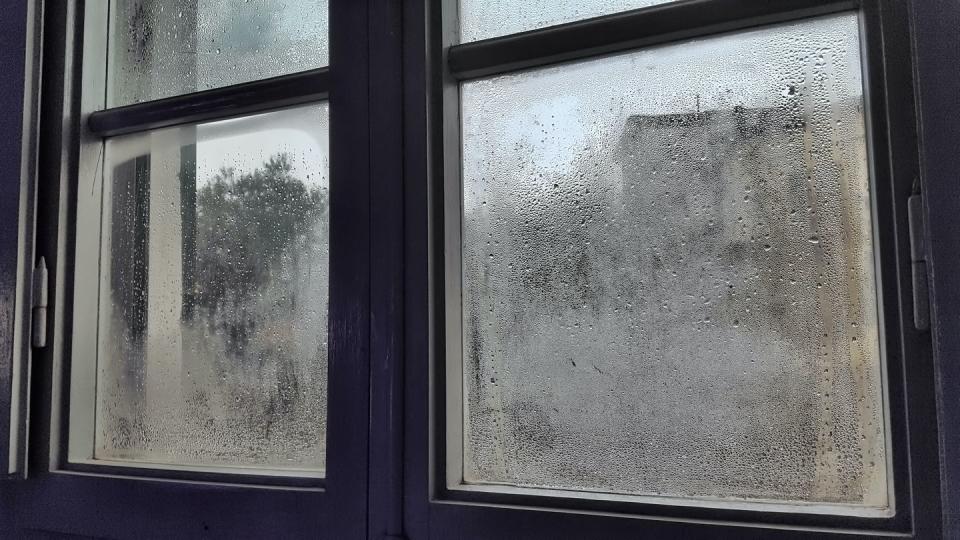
(247, 226)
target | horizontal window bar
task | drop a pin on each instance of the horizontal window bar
(736, 513)
(224, 475)
(216, 104)
(622, 31)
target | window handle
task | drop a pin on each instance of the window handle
(918, 260)
(40, 298)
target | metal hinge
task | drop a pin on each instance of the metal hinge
(918, 260)
(39, 311)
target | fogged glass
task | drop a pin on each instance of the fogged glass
(213, 294)
(668, 273)
(483, 19)
(162, 48)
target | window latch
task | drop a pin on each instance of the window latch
(40, 299)
(918, 260)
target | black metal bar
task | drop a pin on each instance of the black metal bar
(219, 103)
(621, 31)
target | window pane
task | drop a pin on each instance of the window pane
(213, 294)
(162, 48)
(483, 19)
(668, 273)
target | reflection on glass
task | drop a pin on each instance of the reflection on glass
(213, 300)
(162, 48)
(668, 280)
(483, 19)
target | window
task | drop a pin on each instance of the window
(203, 251)
(666, 270)
(668, 274)
(212, 318)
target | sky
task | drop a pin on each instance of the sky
(247, 143)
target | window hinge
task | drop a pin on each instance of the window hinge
(40, 297)
(918, 260)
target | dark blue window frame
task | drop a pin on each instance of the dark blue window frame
(437, 512)
(389, 140)
(112, 502)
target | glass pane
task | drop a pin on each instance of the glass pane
(668, 273)
(213, 294)
(162, 48)
(483, 19)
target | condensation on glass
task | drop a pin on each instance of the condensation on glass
(483, 19)
(668, 274)
(162, 48)
(212, 346)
